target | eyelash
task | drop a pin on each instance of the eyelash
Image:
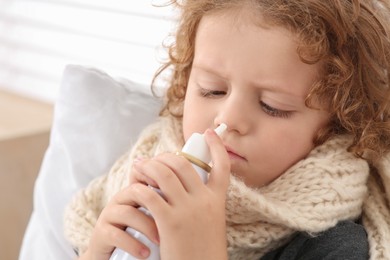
(274, 112)
(271, 111)
(211, 93)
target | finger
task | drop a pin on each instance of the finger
(137, 176)
(220, 173)
(139, 195)
(183, 170)
(123, 240)
(126, 216)
(164, 176)
(148, 198)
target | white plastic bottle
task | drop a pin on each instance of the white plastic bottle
(197, 152)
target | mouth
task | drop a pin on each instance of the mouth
(234, 155)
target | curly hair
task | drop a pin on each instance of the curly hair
(351, 39)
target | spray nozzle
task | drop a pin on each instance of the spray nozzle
(220, 129)
(196, 145)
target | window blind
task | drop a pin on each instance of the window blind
(38, 38)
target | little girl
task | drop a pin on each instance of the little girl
(303, 170)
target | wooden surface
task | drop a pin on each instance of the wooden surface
(24, 137)
(21, 116)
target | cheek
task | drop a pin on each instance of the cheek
(188, 123)
(294, 145)
(296, 150)
(194, 117)
(279, 151)
(288, 148)
(189, 118)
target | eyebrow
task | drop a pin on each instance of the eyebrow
(277, 89)
(210, 71)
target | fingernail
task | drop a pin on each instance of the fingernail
(138, 159)
(144, 252)
(210, 134)
(210, 131)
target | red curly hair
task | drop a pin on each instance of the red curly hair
(351, 38)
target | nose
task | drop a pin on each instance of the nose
(235, 114)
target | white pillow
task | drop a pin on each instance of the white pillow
(96, 119)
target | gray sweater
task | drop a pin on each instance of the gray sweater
(346, 241)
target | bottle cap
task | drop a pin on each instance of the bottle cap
(197, 147)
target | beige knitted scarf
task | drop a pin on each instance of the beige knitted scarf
(328, 186)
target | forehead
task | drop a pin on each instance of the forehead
(238, 50)
(246, 26)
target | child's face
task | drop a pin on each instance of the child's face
(252, 79)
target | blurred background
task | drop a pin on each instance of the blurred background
(38, 38)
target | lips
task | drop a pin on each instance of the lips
(233, 154)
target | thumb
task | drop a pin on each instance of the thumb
(220, 173)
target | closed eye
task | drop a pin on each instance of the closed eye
(211, 93)
(274, 112)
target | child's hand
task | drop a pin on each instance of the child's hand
(109, 231)
(191, 219)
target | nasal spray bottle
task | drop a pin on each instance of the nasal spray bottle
(197, 152)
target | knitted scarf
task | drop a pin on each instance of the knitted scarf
(328, 186)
